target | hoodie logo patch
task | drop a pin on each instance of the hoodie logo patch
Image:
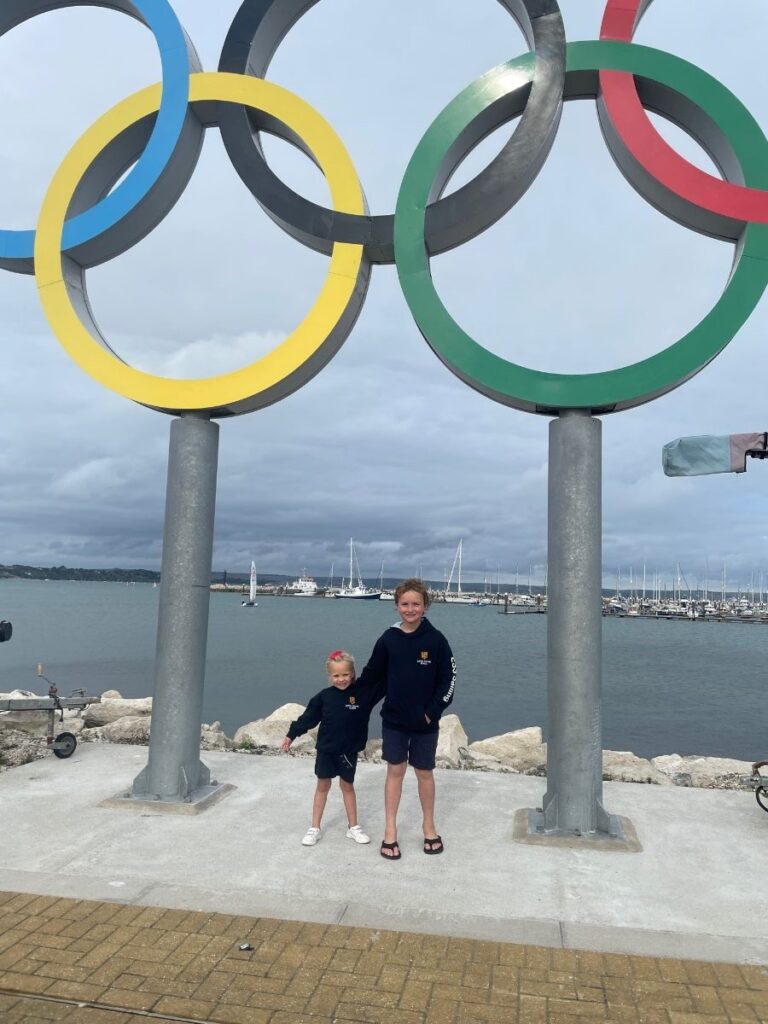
(424, 659)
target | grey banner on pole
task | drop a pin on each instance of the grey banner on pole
(174, 771)
(573, 801)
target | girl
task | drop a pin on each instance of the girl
(415, 662)
(342, 709)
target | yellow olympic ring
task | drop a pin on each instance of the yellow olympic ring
(291, 363)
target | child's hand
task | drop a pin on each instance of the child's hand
(286, 744)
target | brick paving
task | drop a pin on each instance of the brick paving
(88, 962)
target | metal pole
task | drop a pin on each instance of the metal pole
(174, 771)
(573, 801)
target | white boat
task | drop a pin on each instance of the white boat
(358, 592)
(304, 586)
(456, 597)
(385, 595)
(251, 602)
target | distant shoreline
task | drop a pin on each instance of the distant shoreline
(234, 582)
(61, 572)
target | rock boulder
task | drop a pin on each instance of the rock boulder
(372, 752)
(213, 737)
(624, 766)
(113, 708)
(521, 750)
(451, 738)
(17, 747)
(473, 759)
(266, 734)
(133, 729)
(703, 772)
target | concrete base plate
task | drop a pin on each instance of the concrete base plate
(201, 800)
(524, 831)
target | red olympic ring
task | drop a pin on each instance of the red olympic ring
(623, 107)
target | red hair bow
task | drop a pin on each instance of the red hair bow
(334, 654)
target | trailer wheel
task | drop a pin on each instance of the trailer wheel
(64, 745)
(761, 793)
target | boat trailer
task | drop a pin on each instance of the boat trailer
(759, 783)
(63, 744)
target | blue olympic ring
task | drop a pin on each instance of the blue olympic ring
(178, 60)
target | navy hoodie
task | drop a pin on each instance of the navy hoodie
(420, 674)
(343, 716)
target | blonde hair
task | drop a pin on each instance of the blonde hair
(337, 658)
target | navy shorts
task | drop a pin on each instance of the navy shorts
(328, 766)
(417, 748)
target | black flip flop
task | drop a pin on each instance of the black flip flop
(430, 843)
(394, 847)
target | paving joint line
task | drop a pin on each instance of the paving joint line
(89, 1004)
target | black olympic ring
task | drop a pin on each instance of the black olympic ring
(255, 34)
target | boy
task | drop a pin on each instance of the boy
(417, 665)
(343, 710)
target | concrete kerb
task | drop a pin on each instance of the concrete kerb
(678, 896)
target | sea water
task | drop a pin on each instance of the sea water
(668, 686)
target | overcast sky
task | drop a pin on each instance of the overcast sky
(385, 444)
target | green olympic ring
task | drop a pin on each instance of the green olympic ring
(610, 390)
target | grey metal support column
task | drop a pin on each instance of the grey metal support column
(174, 771)
(573, 802)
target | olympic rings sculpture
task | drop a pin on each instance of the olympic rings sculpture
(89, 215)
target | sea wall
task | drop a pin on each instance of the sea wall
(119, 720)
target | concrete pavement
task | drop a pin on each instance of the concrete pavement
(694, 890)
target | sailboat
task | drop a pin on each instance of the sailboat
(359, 591)
(456, 597)
(384, 595)
(251, 602)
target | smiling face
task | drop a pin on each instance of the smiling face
(341, 674)
(411, 609)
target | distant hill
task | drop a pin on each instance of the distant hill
(62, 572)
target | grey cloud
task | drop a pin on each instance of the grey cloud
(384, 444)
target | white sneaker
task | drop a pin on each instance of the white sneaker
(356, 833)
(312, 838)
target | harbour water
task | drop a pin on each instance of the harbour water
(669, 686)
